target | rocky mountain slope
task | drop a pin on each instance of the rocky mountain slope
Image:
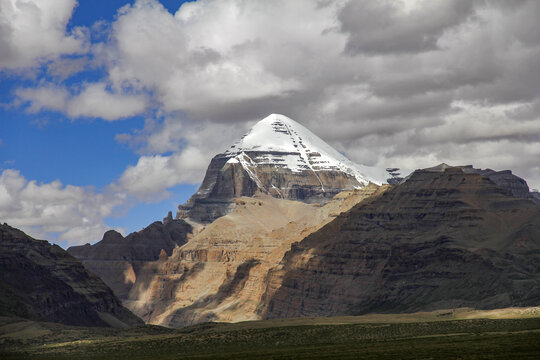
(40, 281)
(221, 273)
(447, 237)
(281, 158)
(278, 158)
(117, 260)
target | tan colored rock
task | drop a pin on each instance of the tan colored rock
(221, 273)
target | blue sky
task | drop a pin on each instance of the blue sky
(110, 111)
(50, 146)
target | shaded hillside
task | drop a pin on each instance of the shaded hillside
(40, 281)
(447, 237)
(117, 259)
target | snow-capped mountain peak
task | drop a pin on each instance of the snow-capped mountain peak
(283, 142)
(277, 157)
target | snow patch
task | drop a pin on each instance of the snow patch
(248, 165)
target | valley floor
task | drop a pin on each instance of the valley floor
(437, 335)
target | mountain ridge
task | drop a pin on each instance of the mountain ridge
(117, 259)
(40, 281)
(442, 239)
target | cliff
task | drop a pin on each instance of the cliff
(117, 260)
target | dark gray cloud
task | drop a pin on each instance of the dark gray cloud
(383, 27)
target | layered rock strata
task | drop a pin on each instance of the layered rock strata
(222, 272)
(40, 281)
(447, 237)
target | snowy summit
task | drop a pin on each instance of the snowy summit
(277, 157)
(283, 142)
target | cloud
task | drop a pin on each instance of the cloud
(47, 97)
(150, 178)
(34, 31)
(389, 83)
(380, 81)
(63, 68)
(94, 100)
(71, 214)
(152, 175)
(390, 27)
(213, 53)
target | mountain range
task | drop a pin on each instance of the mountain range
(283, 225)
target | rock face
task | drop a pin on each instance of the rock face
(281, 158)
(42, 282)
(117, 260)
(505, 179)
(446, 237)
(221, 273)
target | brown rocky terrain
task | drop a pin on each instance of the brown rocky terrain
(117, 260)
(40, 281)
(447, 237)
(221, 273)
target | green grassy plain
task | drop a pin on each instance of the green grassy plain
(436, 335)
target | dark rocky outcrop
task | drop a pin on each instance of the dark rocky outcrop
(446, 237)
(40, 281)
(144, 245)
(117, 259)
(226, 180)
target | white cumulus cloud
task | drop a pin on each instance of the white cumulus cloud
(71, 214)
(94, 100)
(371, 78)
(32, 31)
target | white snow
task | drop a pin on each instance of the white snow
(284, 142)
(248, 164)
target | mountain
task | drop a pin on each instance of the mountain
(258, 197)
(117, 260)
(40, 281)
(281, 158)
(447, 237)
